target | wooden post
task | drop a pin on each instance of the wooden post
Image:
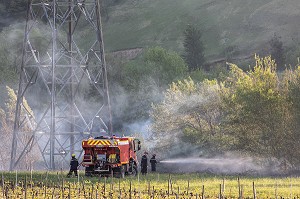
(148, 188)
(62, 188)
(31, 177)
(83, 188)
(104, 188)
(93, 189)
(254, 191)
(169, 186)
(16, 179)
(3, 185)
(276, 191)
(112, 182)
(223, 187)
(220, 194)
(53, 191)
(25, 188)
(45, 187)
(239, 186)
(45, 191)
(203, 194)
(242, 191)
(46, 176)
(188, 187)
(78, 179)
(291, 188)
(69, 191)
(130, 195)
(153, 192)
(78, 187)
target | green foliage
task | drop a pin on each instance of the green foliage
(165, 66)
(254, 107)
(106, 5)
(256, 112)
(157, 65)
(194, 48)
(138, 83)
(230, 52)
(291, 89)
(14, 6)
(190, 111)
(11, 40)
(277, 52)
(7, 118)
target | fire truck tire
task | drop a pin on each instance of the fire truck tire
(120, 172)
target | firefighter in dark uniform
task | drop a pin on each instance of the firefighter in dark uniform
(73, 166)
(153, 163)
(144, 163)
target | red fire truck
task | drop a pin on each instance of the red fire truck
(110, 155)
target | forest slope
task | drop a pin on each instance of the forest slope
(247, 25)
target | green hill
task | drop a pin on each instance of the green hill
(245, 26)
(248, 25)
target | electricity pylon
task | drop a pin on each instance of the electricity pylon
(64, 79)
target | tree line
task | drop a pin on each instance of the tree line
(256, 112)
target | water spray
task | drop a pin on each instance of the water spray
(212, 165)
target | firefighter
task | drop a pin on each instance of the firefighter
(153, 163)
(73, 166)
(144, 163)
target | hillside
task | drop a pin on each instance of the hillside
(245, 26)
(248, 25)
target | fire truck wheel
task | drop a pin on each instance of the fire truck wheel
(119, 172)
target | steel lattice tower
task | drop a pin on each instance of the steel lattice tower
(63, 64)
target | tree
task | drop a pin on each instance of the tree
(194, 48)
(191, 113)
(257, 112)
(136, 84)
(11, 40)
(277, 52)
(7, 114)
(165, 66)
(14, 6)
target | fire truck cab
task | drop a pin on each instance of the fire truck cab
(110, 155)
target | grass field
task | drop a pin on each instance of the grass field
(195, 185)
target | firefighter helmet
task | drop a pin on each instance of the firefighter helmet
(102, 131)
(73, 155)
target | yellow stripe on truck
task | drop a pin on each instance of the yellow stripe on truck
(106, 142)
